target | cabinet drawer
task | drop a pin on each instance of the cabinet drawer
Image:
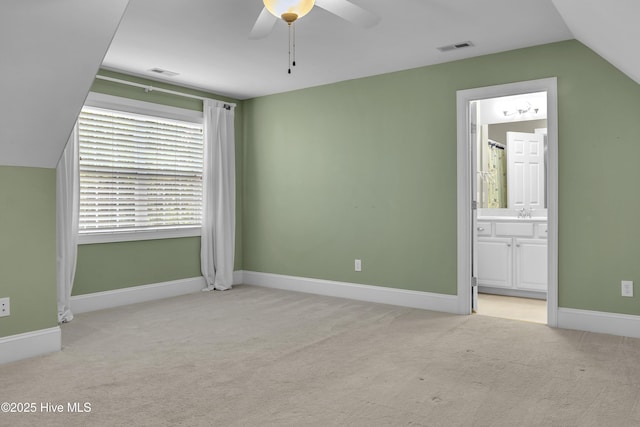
(541, 230)
(483, 228)
(521, 229)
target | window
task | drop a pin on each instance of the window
(138, 174)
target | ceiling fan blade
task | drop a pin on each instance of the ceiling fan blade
(264, 25)
(350, 12)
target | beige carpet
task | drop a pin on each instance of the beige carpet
(260, 357)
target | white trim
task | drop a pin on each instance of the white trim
(464, 186)
(129, 236)
(30, 344)
(600, 322)
(238, 277)
(111, 102)
(135, 294)
(378, 294)
(513, 292)
(149, 88)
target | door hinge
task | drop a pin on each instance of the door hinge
(474, 282)
(474, 128)
(474, 205)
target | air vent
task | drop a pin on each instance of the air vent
(455, 46)
(166, 73)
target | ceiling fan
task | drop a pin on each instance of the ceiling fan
(290, 10)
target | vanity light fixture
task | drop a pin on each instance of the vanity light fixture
(522, 110)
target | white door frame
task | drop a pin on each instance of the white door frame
(464, 97)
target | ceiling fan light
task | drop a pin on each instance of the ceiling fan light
(281, 7)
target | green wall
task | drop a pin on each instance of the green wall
(109, 266)
(137, 263)
(28, 248)
(367, 169)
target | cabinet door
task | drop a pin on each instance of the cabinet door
(531, 264)
(495, 262)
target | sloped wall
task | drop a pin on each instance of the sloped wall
(50, 52)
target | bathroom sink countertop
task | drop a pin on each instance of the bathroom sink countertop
(511, 218)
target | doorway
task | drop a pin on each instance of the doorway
(509, 167)
(516, 232)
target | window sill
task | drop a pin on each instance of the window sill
(130, 236)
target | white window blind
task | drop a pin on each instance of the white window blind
(138, 172)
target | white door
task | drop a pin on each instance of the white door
(525, 170)
(474, 137)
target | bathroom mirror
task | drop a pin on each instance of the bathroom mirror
(511, 153)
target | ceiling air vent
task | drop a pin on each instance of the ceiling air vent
(166, 73)
(455, 46)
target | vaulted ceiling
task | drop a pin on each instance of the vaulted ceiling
(50, 52)
(52, 49)
(208, 44)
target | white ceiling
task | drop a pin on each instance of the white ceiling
(50, 53)
(51, 49)
(608, 27)
(207, 43)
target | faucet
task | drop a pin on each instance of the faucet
(524, 213)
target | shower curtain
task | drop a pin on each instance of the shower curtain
(497, 183)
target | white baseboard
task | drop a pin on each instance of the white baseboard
(597, 321)
(30, 344)
(135, 294)
(512, 292)
(379, 294)
(238, 277)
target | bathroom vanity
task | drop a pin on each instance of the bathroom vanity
(512, 255)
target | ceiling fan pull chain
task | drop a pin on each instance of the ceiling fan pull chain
(289, 24)
(294, 44)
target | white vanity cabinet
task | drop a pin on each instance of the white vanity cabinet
(495, 262)
(512, 256)
(531, 264)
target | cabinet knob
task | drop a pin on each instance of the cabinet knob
(518, 245)
(508, 245)
(480, 228)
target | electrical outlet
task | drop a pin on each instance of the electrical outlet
(5, 307)
(358, 265)
(627, 288)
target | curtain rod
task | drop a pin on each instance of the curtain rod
(149, 88)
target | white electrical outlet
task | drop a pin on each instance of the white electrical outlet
(627, 288)
(5, 307)
(358, 265)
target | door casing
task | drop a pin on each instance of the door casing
(465, 195)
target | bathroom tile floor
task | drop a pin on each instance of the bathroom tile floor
(526, 309)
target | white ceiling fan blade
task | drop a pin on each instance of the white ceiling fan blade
(349, 12)
(264, 25)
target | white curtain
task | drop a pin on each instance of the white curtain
(67, 200)
(219, 196)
